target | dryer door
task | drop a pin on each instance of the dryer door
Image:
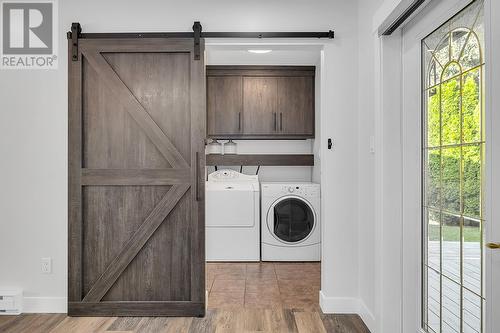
(293, 220)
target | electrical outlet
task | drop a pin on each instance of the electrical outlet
(46, 265)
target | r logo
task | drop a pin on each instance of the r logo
(27, 28)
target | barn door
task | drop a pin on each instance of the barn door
(136, 203)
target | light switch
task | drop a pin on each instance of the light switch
(372, 144)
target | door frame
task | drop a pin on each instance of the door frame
(398, 301)
(336, 87)
(324, 81)
(492, 212)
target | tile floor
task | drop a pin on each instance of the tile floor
(264, 285)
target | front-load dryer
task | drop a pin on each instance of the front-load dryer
(290, 222)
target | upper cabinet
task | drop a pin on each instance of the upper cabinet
(224, 105)
(260, 105)
(260, 102)
(296, 105)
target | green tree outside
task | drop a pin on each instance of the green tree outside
(454, 117)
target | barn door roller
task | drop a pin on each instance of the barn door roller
(197, 34)
(76, 31)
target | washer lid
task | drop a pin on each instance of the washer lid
(230, 180)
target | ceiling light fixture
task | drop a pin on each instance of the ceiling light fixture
(259, 51)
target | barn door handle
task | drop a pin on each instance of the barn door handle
(239, 121)
(275, 121)
(199, 197)
(281, 121)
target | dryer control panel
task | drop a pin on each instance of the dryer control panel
(301, 190)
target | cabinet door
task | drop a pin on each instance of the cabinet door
(296, 106)
(225, 105)
(260, 106)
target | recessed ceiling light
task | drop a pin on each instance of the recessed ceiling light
(259, 51)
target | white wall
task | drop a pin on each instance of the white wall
(33, 134)
(292, 55)
(362, 176)
(339, 168)
(366, 175)
(387, 9)
(33, 190)
(274, 173)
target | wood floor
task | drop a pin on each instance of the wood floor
(265, 297)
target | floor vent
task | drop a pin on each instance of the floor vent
(11, 302)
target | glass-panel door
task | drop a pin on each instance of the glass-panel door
(453, 157)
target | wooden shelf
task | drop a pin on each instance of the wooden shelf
(262, 160)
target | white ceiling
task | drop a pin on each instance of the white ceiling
(280, 55)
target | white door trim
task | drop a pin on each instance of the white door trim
(492, 211)
(388, 184)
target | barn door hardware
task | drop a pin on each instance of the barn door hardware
(330, 34)
(197, 35)
(197, 29)
(243, 34)
(76, 32)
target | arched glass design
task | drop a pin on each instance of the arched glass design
(453, 167)
(293, 220)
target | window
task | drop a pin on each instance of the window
(453, 164)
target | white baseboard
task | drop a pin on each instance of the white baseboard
(347, 305)
(45, 305)
(338, 304)
(367, 316)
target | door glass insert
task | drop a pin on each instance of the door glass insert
(293, 220)
(453, 169)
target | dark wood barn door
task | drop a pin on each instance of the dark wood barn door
(136, 180)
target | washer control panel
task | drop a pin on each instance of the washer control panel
(231, 175)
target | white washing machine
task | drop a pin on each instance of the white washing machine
(232, 216)
(291, 224)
